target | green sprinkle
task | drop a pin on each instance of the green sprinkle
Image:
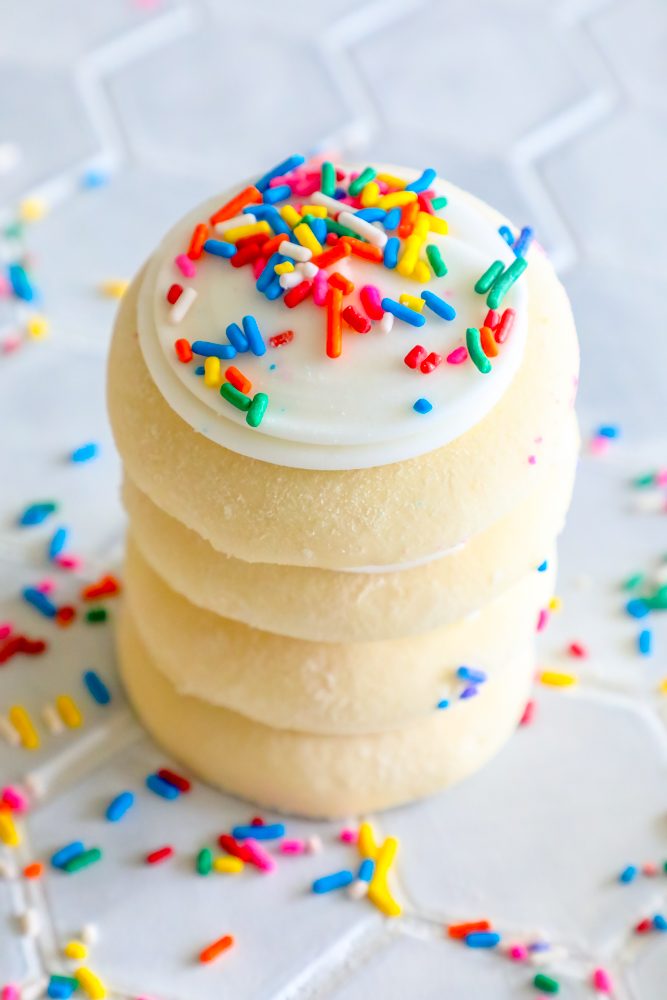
(360, 182)
(633, 581)
(335, 227)
(439, 202)
(475, 351)
(435, 260)
(233, 396)
(504, 282)
(82, 860)
(14, 231)
(96, 615)
(664, 867)
(489, 276)
(545, 983)
(328, 179)
(658, 600)
(257, 409)
(67, 981)
(646, 480)
(204, 861)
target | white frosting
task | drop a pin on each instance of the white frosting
(351, 412)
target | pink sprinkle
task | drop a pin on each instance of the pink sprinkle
(259, 856)
(68, 562)
(457, 356)
(649, 869)
(6, 628)
(578, 650)
(185, 265)
(371, 300)
(518, 953)
(258, 265)
(542, 620)
(532, 460)
(660, 477)
(45, 586)
(10, 992)
(528, 713)
(599, 445)
(4, 287)
(15, 799)
(320, 286)
(348, 836)
(293, 847)
(602, 981)
(302, 188)
(11, 343)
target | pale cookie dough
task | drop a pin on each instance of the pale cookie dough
(323, 776)
(331, 606)
(334, 688)
(380, 516)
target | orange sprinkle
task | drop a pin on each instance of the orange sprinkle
(488, 342)
(33, 870)
(217, 948)
(332, 255)
(183, 350)
(272, 245)
(197, 240)
(106, 586)
(409, 215)
(238, 379)
(249, 196)
(337, 280)
(462, 930)
(334, 323)
(365, 250)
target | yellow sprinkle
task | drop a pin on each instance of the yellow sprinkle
(437, 225)
(23, 725)
(554, 678)
(212, 373)
(368, 847)
(319, 211)
(555, 604)
(385, 857)
(91, 984)
(69, 711)
(662, 688)
(410, 255)
(421, 272)
(370, 194)
(290, 215)
(306, 238)
(422, 227)
(228, 866)
(253, 229)
(37, 327)
(114, 288)
(378, 891)
(384, 901)
(411, 301)
(394, 182)
(284, 268)
(9, 835)
(397, 199)
(32, 209)
(75, 949)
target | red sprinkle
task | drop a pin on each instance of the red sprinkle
(409, 215)
(505, 327)
(528, 713)
(172, 778)
(430, 363)
(492, 319)
(415, 356)
(174, 293)
(65, 615)
(460, 931)
(644, 925)
(183, 350)
(297, 294)
(424, 203)
(162, 853)
(238, 379)
(21, 644)
(577, 649)
(232, 846)
(257, 821)
(286, 337)
(106, 586)
(247, 255)
(354, 319)
(248, 241)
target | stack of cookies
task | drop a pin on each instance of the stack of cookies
(345, 410)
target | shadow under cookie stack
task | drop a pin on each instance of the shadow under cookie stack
(344, 406)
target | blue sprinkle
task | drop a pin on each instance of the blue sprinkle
(507, 234)
(273, 367)
(424, 182)
(281, 192)
(482, 939)
(269, 831)
(207, 349)
(438, 305)
(319, 228)
(392, 219)
(66, 853)
(443, 703)
(628, 874)
(366, 870)
(253, 336)
(237, 338)
(279, 171)
(340, 192)
(95, 178)
(469, 692)
(275, 290)
(645, 642)
(36, 513)
(268, 273)
(536, 946)
(402, 312)
(543, 567)
(371, 214)
(523, 241)
(471, 675)
(336, 881)
(220, 248)
(60, 988)
(86, 452)
(637, 608)
(40, 602)
(271, 215)
(422, 406)
(119, 806)
(390, 255)
(161, 788)
(200, 370)
(609, 431)
(20, 282)
(58, 542)
(97, 689)
(659, 922)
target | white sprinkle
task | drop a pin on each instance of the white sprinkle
(291, 279)
(34, 990)
(551, 956)
(307, 270)
(29, 922)
(649, 501)
(387, 322)
(6, 870)
(660, 575)
(295, 251)
(182, 304)
(52, 720)
(89, 935)
(313, 845)
(35, 784)
(366, 229)
(238, 220)
(334, 207)
(357, 889)
(8, 732)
